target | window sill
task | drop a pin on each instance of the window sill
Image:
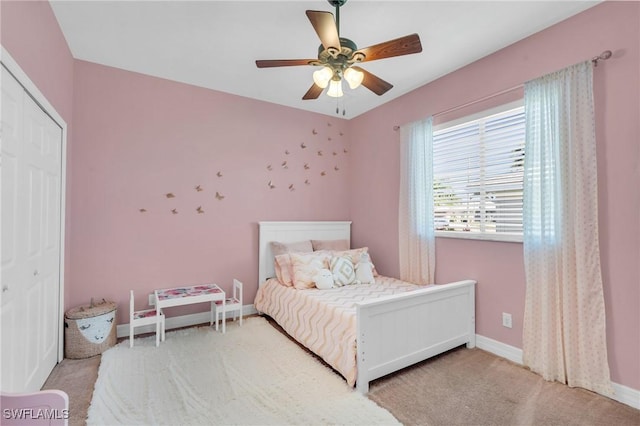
(507, 238)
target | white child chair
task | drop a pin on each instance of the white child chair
(232, 304)
(145, 317)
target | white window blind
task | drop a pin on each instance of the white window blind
(478, 176)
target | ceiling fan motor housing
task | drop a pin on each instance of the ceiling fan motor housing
(339, 60)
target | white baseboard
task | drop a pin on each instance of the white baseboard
(626, 395)
(122, 330)
(503, 350)
(623, 394)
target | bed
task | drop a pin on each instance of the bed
(363, 331)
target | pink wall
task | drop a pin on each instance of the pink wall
(30, 33)
(140, 137)
(498, 267)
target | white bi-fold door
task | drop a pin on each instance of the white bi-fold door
(31, 166)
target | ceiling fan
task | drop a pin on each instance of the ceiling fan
(338, 57)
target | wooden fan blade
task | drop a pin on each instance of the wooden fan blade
(373, 82)
(325, 27)
(313, 92)
(401, 46)
(282, 62)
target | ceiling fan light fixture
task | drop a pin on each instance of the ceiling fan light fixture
(322, 77)
(337, 57)
(353, 77)
(335, 89)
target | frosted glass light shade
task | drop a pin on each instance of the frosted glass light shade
(353, 77)
(335, 89)
(322, 77)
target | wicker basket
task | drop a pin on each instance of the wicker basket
(89, 329)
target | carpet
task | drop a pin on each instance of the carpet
(250, 375)
(76, 377)
(473, 387)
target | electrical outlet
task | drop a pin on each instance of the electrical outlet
(152, 299)
(506, 320)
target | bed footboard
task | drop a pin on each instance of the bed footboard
(397, 331)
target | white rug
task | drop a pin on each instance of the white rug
(252, 375)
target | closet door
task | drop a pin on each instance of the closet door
(31, 193)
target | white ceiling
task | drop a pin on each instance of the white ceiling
(214, 44)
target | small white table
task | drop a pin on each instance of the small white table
(178, 296)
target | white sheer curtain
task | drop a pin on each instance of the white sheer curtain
(564, 321)
(416, 229)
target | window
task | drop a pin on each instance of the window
(478, 176)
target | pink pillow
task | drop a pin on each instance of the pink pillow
(284, 269)
(306, 266)
(282, 248)
(330, 244)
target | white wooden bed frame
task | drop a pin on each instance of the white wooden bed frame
(396, 331)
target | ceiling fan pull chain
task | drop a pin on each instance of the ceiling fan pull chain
(344, 111)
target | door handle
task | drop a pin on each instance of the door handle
(5, 288)
(36, 273)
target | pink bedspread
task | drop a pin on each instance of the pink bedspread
(325, 320)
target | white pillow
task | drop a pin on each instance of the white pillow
(343, 271)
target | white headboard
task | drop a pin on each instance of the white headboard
(291, 232)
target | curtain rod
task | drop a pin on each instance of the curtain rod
(601, 57)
